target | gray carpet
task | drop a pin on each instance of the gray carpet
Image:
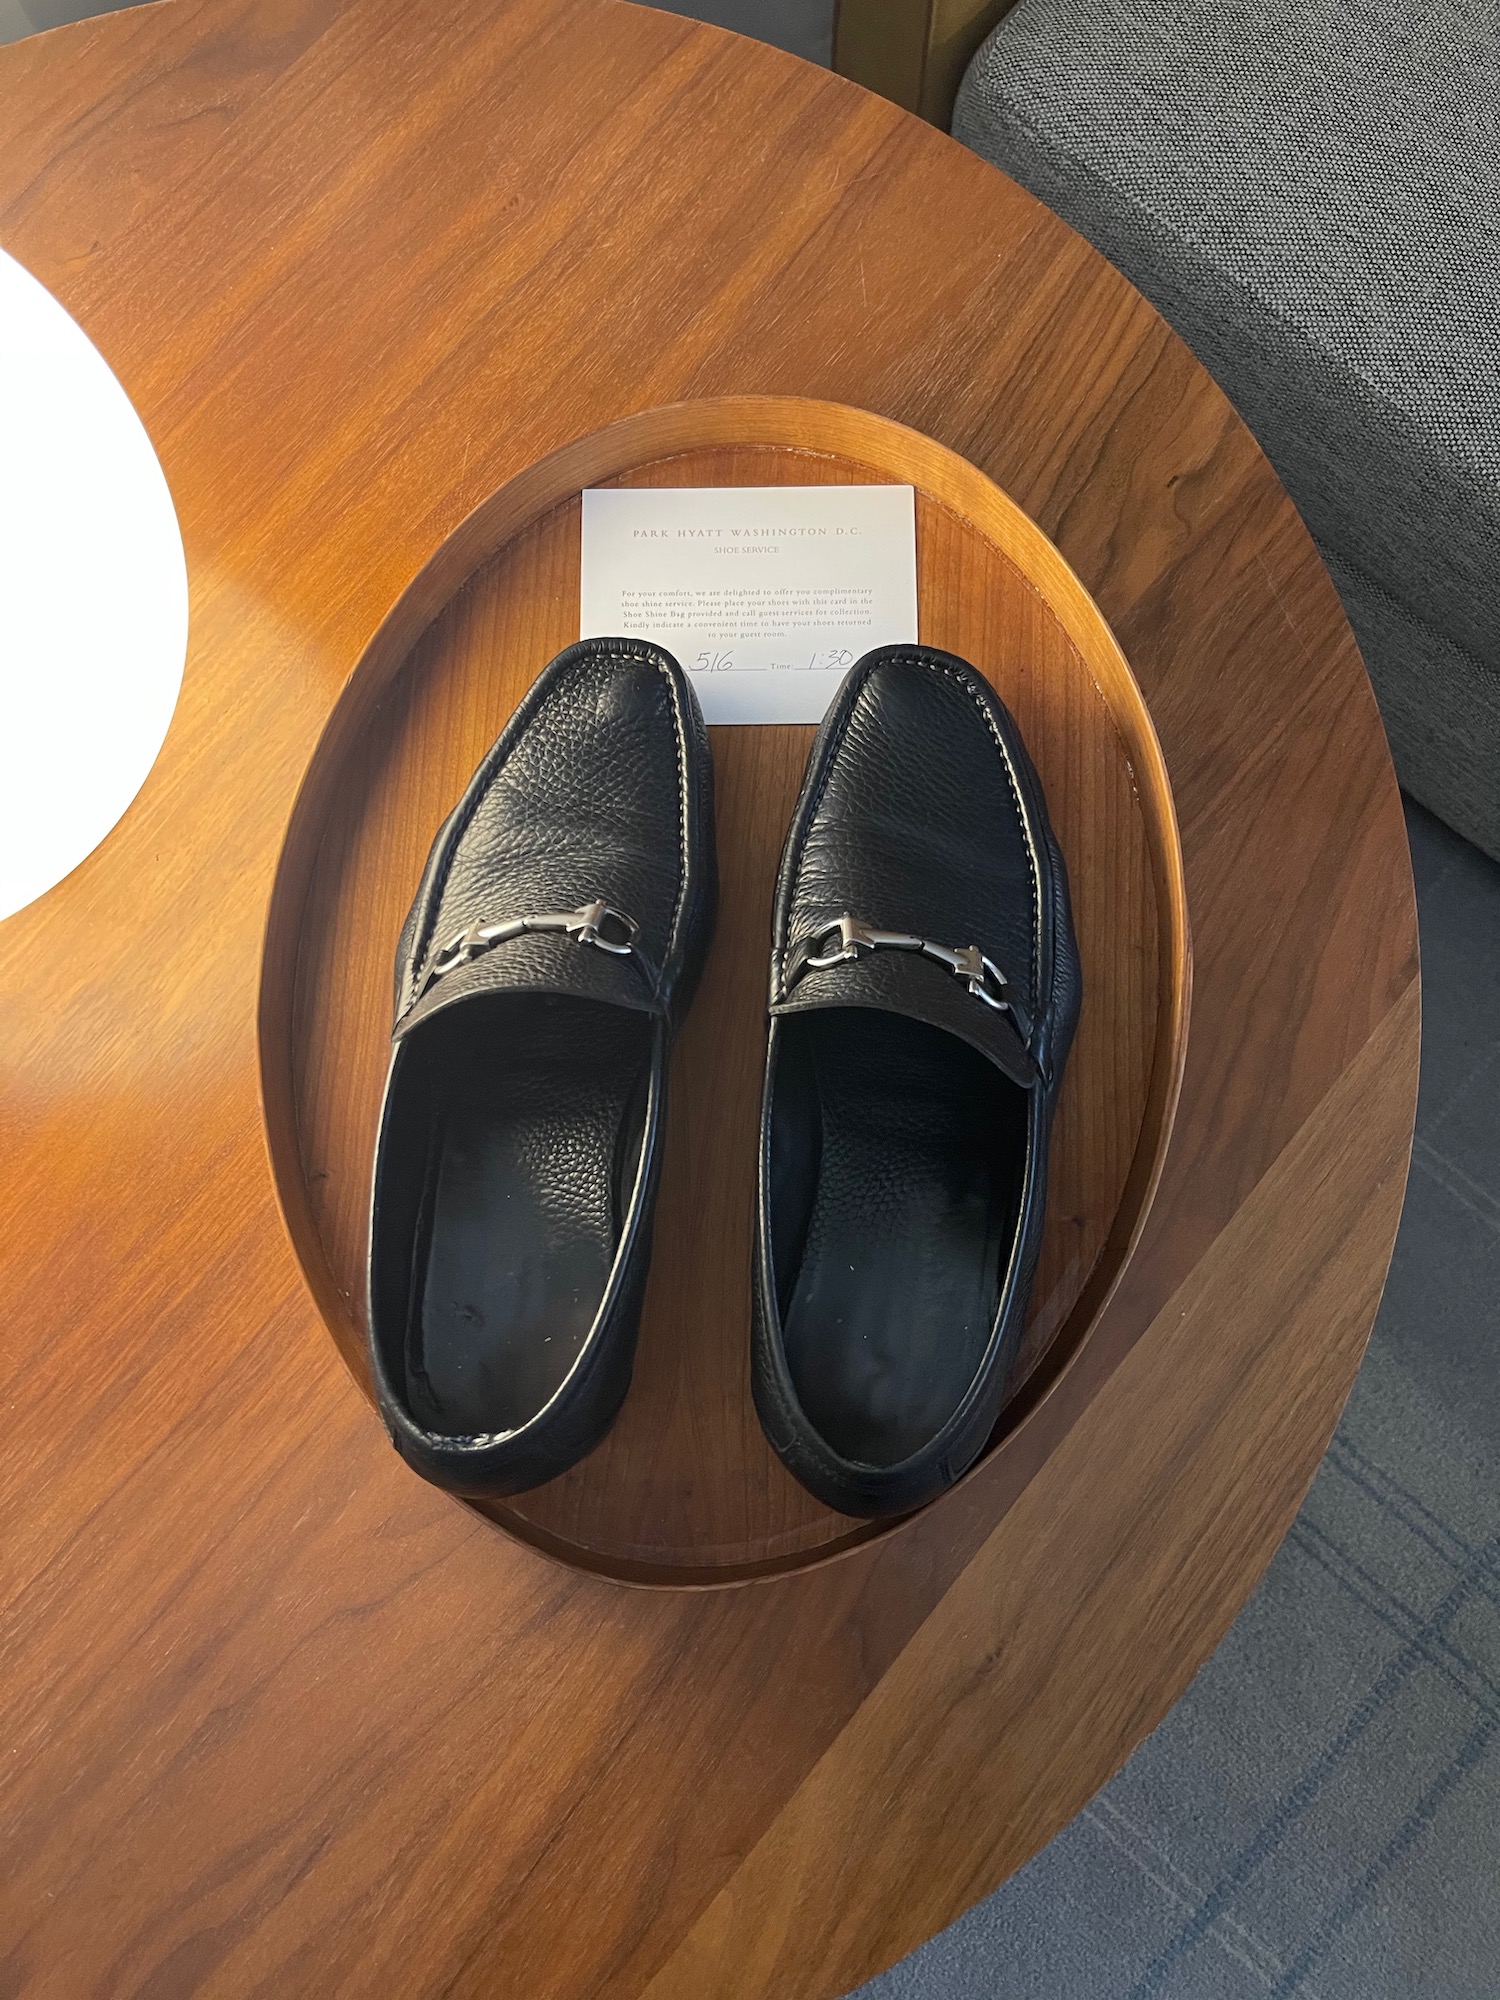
(1320, 1815)
(802, 27)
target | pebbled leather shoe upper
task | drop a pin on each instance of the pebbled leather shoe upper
(551, 950)
(924, 992)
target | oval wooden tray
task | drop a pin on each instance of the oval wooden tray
(685, 1489)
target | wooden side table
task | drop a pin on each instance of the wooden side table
(279, 1719)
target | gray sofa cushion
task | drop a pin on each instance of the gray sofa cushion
(1309, 190)
(1441, 707)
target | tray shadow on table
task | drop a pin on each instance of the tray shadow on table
(685, 1489)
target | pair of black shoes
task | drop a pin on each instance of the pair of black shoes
(924, 990)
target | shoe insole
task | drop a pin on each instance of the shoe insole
(897, 1220)
(536, 1117)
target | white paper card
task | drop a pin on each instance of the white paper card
(766, 594)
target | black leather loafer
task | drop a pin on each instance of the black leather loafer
(560, 926)
(924, 991)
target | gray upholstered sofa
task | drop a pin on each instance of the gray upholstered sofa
(1309, 190)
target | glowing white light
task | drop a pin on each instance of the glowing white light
(93, 595)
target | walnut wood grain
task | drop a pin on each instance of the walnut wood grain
(822, 1897)
(279, 1720)
(685, 1488)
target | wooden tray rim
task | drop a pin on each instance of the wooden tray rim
(645, 437)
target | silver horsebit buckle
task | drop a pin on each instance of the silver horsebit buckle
(844, 939)
(597, 923)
